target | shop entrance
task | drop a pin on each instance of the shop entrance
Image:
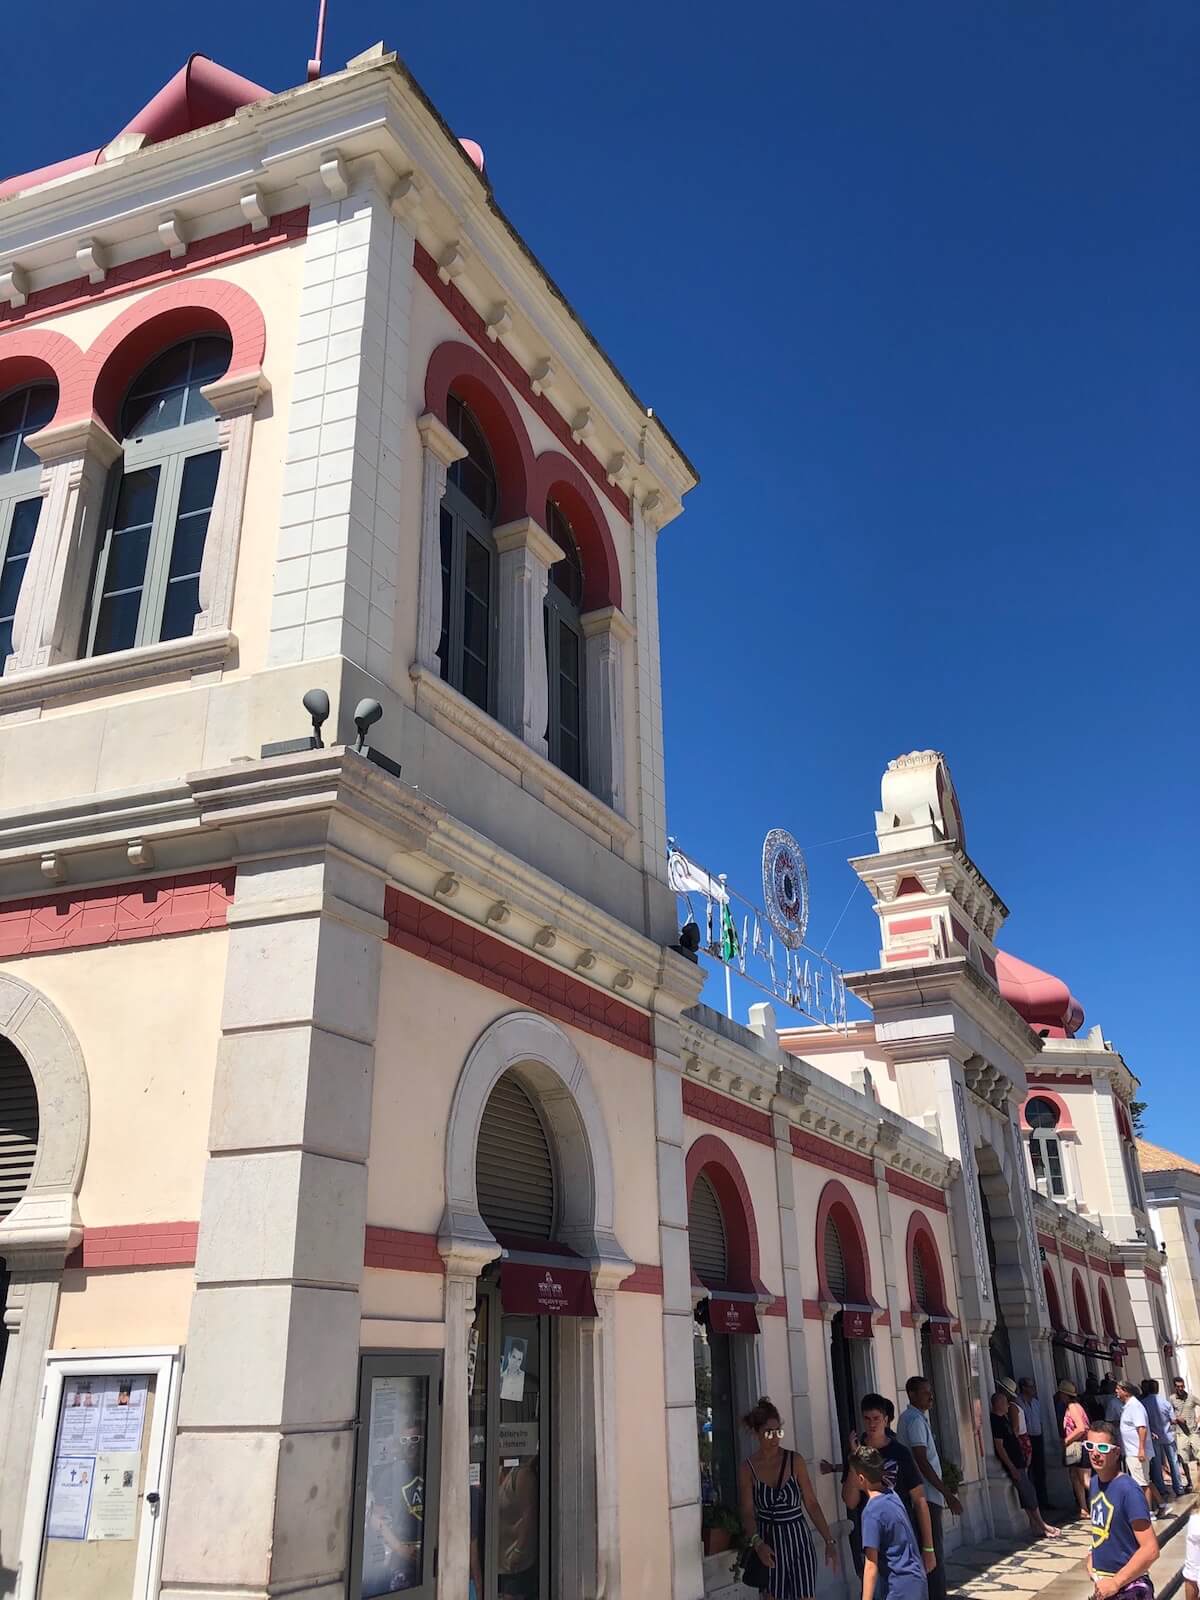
(510, 1382)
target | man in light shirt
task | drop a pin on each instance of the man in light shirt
(1191, 1559)
(915, 1430)
(1032, 1407)
(1112, 1401)
(1187, 1431)
(1135, 1437)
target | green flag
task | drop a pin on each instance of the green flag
(730, 948)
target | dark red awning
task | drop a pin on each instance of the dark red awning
(939, 1330)
(545, 1289)
(731, 1316)
(858, 1322)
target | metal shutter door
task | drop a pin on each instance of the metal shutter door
(514, 1170)
(18, 1126)
(706, 1235)
(835, 1260)
(920, 1287)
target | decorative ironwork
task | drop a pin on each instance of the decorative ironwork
(966, 1155)
(785, 887)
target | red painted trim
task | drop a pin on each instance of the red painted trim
(910, 925)
(821, 1153)
(912, 957)
(812, 1310)
(1070, 1252)
(907, 1320)
(433, 934)
(464, 313)
(960, 933)
(913, 1189)
(1041, 1080)
(836, 1201)
(713, 1158)
(1053, 1301)
(143, 329)
(1083, 1310)
(395, 1250)
(733, 1116)
(920, 1237)
(38, 356)
(644, 1279)
(77, 919)
(556, 477)
(1048, 1242)
(1154, 1275)
(200, 256)
(1117, 1269)
(909, 886)
(1065, 1125)
(136, 1244)
(1107, 1321)
(456, 366)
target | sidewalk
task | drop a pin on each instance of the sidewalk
(1025, 1567)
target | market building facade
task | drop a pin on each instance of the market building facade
(380, 1207)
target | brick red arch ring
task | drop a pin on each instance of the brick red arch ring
(176, 312)
(459, 367)
(713, 1158)
(1053, 1301)
(556, 477)
(1107, 1321)
(1064, 1123)
(1083, 1311)
(837, 1202)
(920, 1238)
(34, 356)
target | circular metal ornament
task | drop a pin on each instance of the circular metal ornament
(785, 887)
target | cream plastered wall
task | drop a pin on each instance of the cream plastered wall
(429, 1019)
(147, 1018)
(642, 1448)
(390, 1299)
(1176, 1225)
(272, 278)
(810, 1183)
(757, 1162)
(825, 1445)
(1092, 1184)
(117, 1310)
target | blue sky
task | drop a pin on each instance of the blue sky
(915, 286)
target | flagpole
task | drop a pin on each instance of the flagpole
(721, 876)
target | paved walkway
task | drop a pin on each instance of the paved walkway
(1024, 1567)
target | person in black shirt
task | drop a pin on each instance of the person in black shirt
(1010, 1457)
(899, 1473)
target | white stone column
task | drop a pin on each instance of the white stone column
(600, 1339)
(464, 1262)
(339, 557)
(265, 1449)
(48, 624)
(439, 451)
(605, 633)
(895, 1271)
(683, 1454)
(527, 553)
(234, 399)
(648, 797)
(793, 1293)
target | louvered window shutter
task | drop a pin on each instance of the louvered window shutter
(920, 1287)
(835, 1260)
(18, 1126)
(514, 1169)
(706, 1233)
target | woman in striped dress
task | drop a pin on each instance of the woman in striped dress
(775, 1493)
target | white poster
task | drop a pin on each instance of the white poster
(115, 1495)
(70, 1497)
(512, 1369)
(79, 1429)
(122, 1413)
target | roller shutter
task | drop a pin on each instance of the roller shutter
(835, 1261)
(514, 1168)
(706, 1233)
(18, 1126)
(920, 1287)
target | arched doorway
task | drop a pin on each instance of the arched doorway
(843, 1276)
(1062, 1365)
(18, 1149)
(1093, 1368)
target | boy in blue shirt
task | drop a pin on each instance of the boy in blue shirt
(1124, 1545)
(893, 1567)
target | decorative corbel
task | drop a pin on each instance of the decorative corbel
(405, 199)
(14, 285)
(334, 175)
(542, 377)
(174, 233)
(451, 263)
(254, 208)
(499, 322)
(93, 260)
(581, 424)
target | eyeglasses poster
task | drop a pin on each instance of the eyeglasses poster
(394, 1536)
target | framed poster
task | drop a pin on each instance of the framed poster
(396, 1475)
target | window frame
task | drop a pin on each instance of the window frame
(427, 1364)
(18, 487)
(1045, 1144)
(559, 612)
(467, 522)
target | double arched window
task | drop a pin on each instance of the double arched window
(22, 412)
(146, 586)
(564, 650)
(1045, 1151)
(466, 649)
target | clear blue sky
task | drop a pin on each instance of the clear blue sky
(915, 285)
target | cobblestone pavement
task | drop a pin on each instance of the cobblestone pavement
(1025, 1567)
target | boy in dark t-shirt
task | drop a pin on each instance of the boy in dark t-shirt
(893, 1568)
(900, 1474)
(1124, 1545)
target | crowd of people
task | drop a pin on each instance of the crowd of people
(1128, 1450)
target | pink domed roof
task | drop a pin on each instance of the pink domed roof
(1043, 1000)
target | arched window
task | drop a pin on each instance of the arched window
(712, 1351)
(1083, 1311)
(706, 1234)
(22, 412)
(564, 650)
(514, 1166)
(18, 1126)
(466, 648)
(835, 1260)
(147, 581)
(1045, 1152)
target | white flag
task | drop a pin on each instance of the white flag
(685, 877)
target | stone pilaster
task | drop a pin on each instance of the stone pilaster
(606, 632)
(789, 1250)
(264, 1454)
(439, 451)
(526, 555)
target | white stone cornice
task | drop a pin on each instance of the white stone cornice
(85, 436)
(526, 534)
(237, 392)
(437, 438)
(607, 619)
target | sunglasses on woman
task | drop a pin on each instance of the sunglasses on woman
(772, 1433)
(1098, 1449)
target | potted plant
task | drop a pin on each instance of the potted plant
(952, 1477)
(720, 1527)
